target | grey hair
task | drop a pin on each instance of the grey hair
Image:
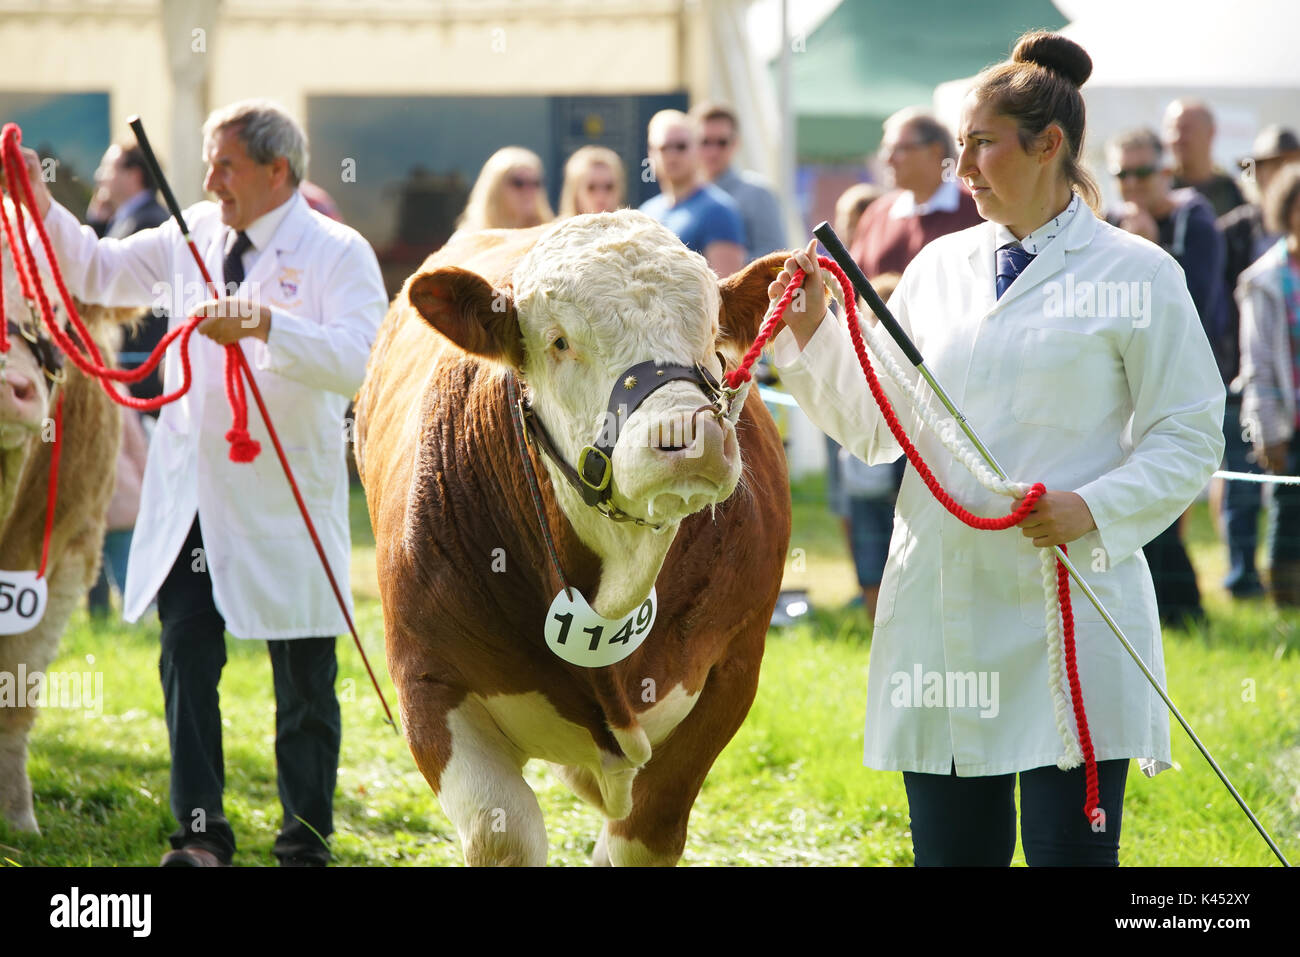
(266, 131)
(1142, 136)
(928, 129)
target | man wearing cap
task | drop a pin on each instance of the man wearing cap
(1246, 240)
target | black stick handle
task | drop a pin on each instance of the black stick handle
(827, 237)
(137, 127)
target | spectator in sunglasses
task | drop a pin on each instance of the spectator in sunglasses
(926, 201)
(1182, 222)
(594, 182)
(510, 193)
(704, 217)
(718, 134)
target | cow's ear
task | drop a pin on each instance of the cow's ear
(744, 303)
(465, 308)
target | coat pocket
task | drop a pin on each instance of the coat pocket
(901, 542)
(1066, 380)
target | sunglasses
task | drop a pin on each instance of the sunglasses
(1137, 172)
(676, 146)
(518, 182)
(721, 144)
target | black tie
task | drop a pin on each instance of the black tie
(232, 267)
(1011, 262)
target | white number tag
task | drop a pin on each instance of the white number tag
(22, 601)
(581, 637)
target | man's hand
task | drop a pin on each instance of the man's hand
(804, 314)
(1057, 518)
(39, 190)
(230, 319)
(1272, 457)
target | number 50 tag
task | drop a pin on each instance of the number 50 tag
(22, 601)
(581, 637)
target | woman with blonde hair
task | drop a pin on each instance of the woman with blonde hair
(508, 193)
(594, 182)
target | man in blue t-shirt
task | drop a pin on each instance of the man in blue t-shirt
(706, 218)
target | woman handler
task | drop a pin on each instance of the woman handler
(1075, 350)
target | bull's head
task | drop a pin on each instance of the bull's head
(24, 386)
(595, 297)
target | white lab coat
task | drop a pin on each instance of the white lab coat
(1124, 411)
(322, 283)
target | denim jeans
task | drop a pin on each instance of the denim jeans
(1284, 516)
(1241, 504)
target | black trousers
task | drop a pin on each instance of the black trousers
(1178, 597)
(308, 727)
(971, 822)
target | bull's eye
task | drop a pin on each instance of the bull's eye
(560, 344)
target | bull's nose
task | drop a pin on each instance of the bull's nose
(17, 387)
(698, 443)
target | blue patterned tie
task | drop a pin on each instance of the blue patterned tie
(1012, 260)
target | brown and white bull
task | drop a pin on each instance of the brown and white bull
(572, 311)
(91, 431)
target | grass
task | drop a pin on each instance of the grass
(789, 789)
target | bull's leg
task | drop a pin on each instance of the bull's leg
(477, 774)
(34, 650)
(654, 833)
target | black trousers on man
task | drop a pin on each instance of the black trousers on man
(308, 727)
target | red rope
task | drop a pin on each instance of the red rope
(86, 355)
(742, 374)
(52, 491)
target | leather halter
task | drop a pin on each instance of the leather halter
(593, 478)
(47, 356)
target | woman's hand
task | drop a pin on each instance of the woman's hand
(1057, 518)
(805, 312)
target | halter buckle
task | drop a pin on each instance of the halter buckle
(600, 482)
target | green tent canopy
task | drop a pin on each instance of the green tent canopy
(871, 58)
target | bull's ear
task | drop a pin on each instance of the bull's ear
(465, 308)
(744, 303)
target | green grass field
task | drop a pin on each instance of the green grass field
(789, 789)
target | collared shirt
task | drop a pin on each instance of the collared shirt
(1037, 241)
(946, 199)
(759, 208)
(260, 232)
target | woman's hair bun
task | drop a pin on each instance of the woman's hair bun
(1055, 52)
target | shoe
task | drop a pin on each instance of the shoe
(191, 856)
(1252, 588)
(1285, 584)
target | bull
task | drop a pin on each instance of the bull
(610, 621)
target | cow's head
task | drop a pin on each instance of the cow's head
(595, 296)
(24, 387)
